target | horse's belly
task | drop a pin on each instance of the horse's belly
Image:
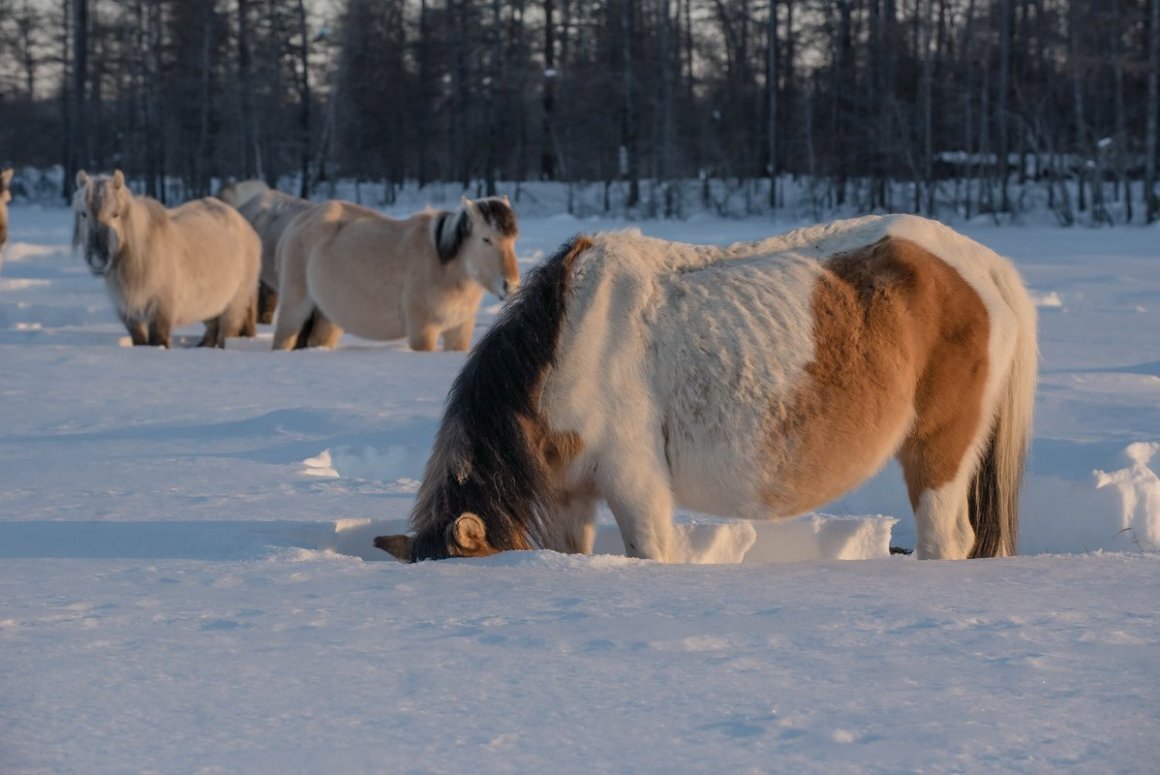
(362, 303)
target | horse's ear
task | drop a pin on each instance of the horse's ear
(470, 534)
(469, 206)
(82, 178)
(507, 201)
(118, 179)
(5, 178)
(397, 546)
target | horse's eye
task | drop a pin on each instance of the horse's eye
(487, 240)
(84, 215)
(116, 215)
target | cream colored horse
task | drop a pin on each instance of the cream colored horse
(382, 278)
(5, 198)
(270, 212)
(168, 268)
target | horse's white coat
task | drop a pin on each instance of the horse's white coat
(641, 310)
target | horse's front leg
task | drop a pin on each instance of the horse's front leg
(422, 337)
(636, 485)
(159, 331)
(138, 331)
(459, 337)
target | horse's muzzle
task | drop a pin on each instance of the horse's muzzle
(99, 263)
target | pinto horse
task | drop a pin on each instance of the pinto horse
(758, 380)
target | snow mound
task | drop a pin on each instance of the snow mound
(1139, 491)
(1046, 300)
(393, 463)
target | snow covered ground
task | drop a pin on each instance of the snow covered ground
(184, 584)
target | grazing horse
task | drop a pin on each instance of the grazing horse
(5, 198)
(381, 278)
(168, 268)
(758, 380)
(269, 211)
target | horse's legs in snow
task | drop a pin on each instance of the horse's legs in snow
(267, 303)
(422, 338)
(293, 314)
(138, 331)
(159, 328)
(577, 518)
(636, 487)
(323, 332)
(459, 337)
(209, 338)
(938, 471)
(249, 325)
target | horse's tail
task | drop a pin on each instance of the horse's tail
(993, 498)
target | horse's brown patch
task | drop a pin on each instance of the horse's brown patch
(898, 334)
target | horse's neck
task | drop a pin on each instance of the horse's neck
(147, 219)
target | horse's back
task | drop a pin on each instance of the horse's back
(776, 374)
(217, 256)
(354, 262)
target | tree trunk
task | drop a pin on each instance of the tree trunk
(628, 127)
(548, 140)
(1003, 91)
(771, 81)
(304, 102)
(249, 167)
(79, 156)
(1153, 201)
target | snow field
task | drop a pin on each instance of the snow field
(183, 584)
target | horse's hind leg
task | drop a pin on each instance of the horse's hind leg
(292, 317)
(209, 338)
(249, 325)
(323, 332)
(938, 467)
(267, 303)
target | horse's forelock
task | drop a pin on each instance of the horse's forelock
(498, 214)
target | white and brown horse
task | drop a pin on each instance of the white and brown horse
(168, 268)
(5, 198)
(270, 212)
(758, 380)
(345, 267)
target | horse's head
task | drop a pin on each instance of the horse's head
(483, 235)
(102, 207)
(464, 536)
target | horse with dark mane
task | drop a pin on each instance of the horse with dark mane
(346, 267)
(758, 380)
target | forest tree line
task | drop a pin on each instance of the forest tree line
(852, 95)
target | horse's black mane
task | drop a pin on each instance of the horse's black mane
(451, 229)
(483, 461)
